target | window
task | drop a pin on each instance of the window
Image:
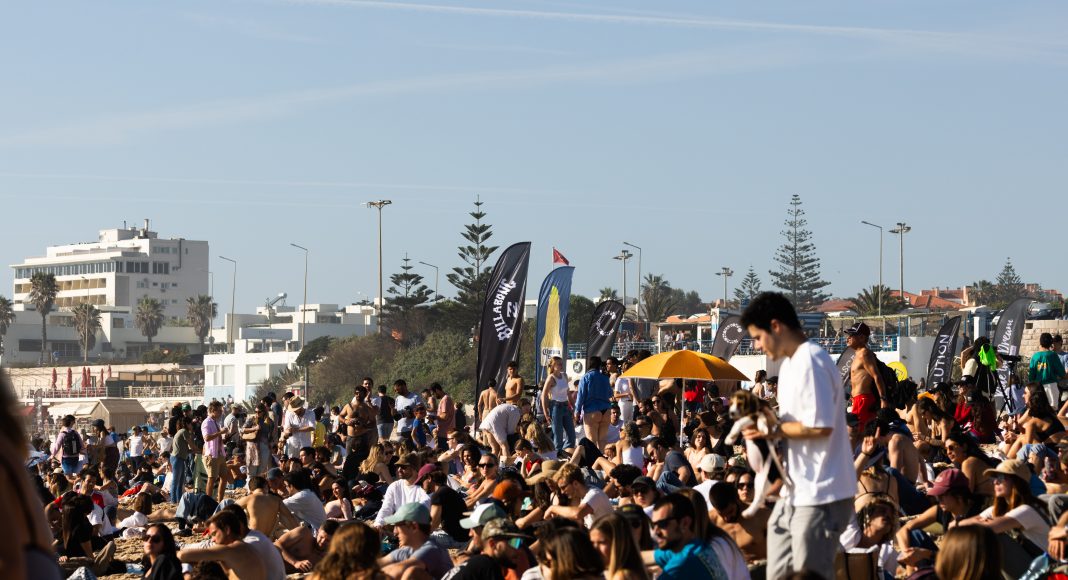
(30, 345)
(155, 284)
(227, 375)
(118, 323)
(161, 267)
(255, 374)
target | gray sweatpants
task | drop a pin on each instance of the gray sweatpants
(806, 538)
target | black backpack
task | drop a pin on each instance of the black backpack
(72, 443)
(896, 393)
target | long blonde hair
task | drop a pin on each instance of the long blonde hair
(377, 455)
(624, 555)
(541, 440)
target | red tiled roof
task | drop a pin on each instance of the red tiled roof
(835, 305)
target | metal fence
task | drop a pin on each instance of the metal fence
(886, 342)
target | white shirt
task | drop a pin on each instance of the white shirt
(307, 508)
(294, 422)
(704, 488)
(613, 432)
(622, 387)
(1032, 525)
(504, 417)
(99, 518)
(810, 392)
(269, 555)
(164, 442)
(599, 504)
(397, 494)
(401, 403)
(731, 558)
(136, 520)
(137, 446)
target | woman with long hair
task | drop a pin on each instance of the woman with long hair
(339, 508)
(969, 553)
(965, 454)
(611, 536)
(568, 554)
(939, 424)
(1015, 508)
(543, 444)
(377, 462)
(629, 448)
(699, 447)
(352, 555)
(1040, 424)
(160, 561)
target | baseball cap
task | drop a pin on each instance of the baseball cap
(859, 328)
(947, 480)
(274, 473)
(410, 512)
(642, 481)
(711, 462)
(502, 528)
(507, 490)
(425, 471)
(1015, 467)
(483, 513)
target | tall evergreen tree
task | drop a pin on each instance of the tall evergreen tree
(403, 310)
(799, 268)
(1009, 286)
(470, 280)
(749, 288)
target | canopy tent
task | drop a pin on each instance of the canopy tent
(122, 414)
(160, 406)
(80, 409)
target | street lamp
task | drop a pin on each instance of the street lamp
(726, 273)
(880, 292)
(436, 295)
(379, 205)
(639, 277)
(303, 313)
(901, 230)
(623, 257)
(233, 300)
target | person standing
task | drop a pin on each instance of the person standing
(621, 392)
(593, 401)
(866, 380)
(386, 407)
(554, 401)
(214, 456)
(405, 402)
(68, 446)
(1046, 369)
(513, 385)
(446, 414)
(805, 525)
(298, 428)
(181, 449)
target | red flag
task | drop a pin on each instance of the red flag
(559, 259)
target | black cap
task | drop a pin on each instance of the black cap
(859, 328)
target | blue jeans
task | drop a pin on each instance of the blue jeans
(70, 465)
(178, 468)
(563, 425)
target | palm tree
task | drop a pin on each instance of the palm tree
(608, 293)
(867, 302)
(201, 313)
(43, 290)
(149, 317)
(7, 317)
(658, 300)
(86, 322)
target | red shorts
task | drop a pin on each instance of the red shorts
(865, 407)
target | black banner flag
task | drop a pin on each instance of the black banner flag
(502, 316)
(728, 337)
(603, 329)
(940, 368)
(844, 364)
(1009, 334)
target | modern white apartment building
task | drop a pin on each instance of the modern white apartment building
(119, 268)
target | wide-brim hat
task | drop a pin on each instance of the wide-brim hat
(548, 469)
(1014, 467)
(296, 403)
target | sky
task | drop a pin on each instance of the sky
(681, 126)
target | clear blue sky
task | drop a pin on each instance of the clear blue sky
(684, 130)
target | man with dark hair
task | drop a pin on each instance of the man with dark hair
(446, 508)
(412, 525)
(513, 385)
(405, 403)
(265, 509)
(301, 548)
(751, 534)
(864, 376)
(272, 560)
(241, 561)
(68, 446)
(680, 552)
(445, 414)
(671, 470)
(214, 451)
(807, 522)
(302, 501)
(1046, 369)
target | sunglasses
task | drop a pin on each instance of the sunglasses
(662, 523)
(154, 539)
(487, 465)
(997, 478)
(745, 485)
(516, 543)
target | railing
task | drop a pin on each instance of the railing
(61, 392)
(886, 342)
(177, 392)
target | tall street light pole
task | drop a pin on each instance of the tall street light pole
(379, 205)
(436, 295)
(639, 278)
(304, 316)
(623, 257)
(901, 229)
(880, 292)
(726, 273)
(233, 301)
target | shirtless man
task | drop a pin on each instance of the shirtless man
(240, 560)
(901, 449)
(513, 386)
(867, 384)
(359, 417)
(487, 400)
(302, 549)
(266, 510)
(749, 533)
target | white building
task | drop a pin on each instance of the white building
(120, 268)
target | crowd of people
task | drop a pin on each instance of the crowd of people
(604, 477)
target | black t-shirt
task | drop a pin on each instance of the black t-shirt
(590, 453)
(385, 409)
(675, 460)
(82, 533)
(478, 567)
(452, 509)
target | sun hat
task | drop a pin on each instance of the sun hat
(1016, 467)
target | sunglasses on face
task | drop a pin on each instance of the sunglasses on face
(153, 539)
(487, 465)
(745, 484)
(997, 478)
(662, 523)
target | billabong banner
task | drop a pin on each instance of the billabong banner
(603, 329)
(728, 337)
(554, 299)
(502, 315)
(940, 368)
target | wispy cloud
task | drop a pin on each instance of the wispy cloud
(123, 127)
(249, 28)
(498, 48)
(955, 42)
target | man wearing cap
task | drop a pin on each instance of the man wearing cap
(484, 512)
(867, 383)
(503, 554)
(298, 427)
(446, 508)
(411, 523)
(402, 491)
(710, 472)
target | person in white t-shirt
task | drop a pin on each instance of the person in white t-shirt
(1014, 505)
(136, 446)
(807, 522)
(593, 503)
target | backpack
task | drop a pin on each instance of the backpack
(894, 394)
(72, 443)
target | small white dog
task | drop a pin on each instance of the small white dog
(748, 410)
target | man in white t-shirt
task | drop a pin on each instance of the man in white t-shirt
(501, 423)
(805, 525)
(297, 428)
(593, 503)
(136, 446)
(710, 472)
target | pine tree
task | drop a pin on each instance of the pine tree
(403, 310)
(1009, 286)
(799, 268)
(471, 280)
(749, 287)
